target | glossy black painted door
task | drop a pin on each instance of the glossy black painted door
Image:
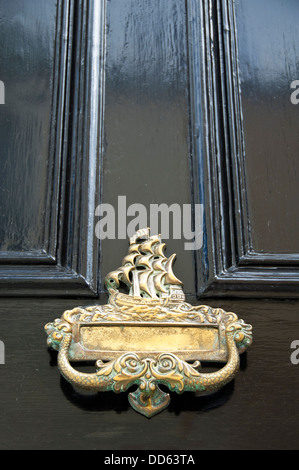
(160, 101)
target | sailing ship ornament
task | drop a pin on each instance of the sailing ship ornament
(148, 335)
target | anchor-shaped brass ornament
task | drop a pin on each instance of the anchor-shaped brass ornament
(148, 336)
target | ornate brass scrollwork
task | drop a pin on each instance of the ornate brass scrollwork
(149, 336)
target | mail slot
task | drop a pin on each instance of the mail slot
(107, 341)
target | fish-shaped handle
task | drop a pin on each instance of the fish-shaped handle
(147, 373)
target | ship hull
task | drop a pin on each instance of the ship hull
(123, 300)
(120, 300)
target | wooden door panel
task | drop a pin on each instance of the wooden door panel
(51, 146)
(27, 70)
(268, 66)
(245, 154)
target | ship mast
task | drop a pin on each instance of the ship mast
(136, 288)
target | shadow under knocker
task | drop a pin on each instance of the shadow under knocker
(149, 337)
(179, 403)
(109, 401)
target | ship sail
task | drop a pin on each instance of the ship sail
(129, 259)
(146, 270)
(158, 264)
(144, 283)
(158, 283)
(159, 249)
(121, 274)
(170, 277)
(144, 260)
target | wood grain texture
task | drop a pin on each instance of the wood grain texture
(39, 410)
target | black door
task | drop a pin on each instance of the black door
(125, 102)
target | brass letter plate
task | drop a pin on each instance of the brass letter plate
(108, 341)
(149, 335)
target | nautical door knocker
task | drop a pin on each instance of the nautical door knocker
(149, 335)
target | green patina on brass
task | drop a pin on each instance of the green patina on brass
(150, 335)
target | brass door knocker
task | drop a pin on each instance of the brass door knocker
(149, 335)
